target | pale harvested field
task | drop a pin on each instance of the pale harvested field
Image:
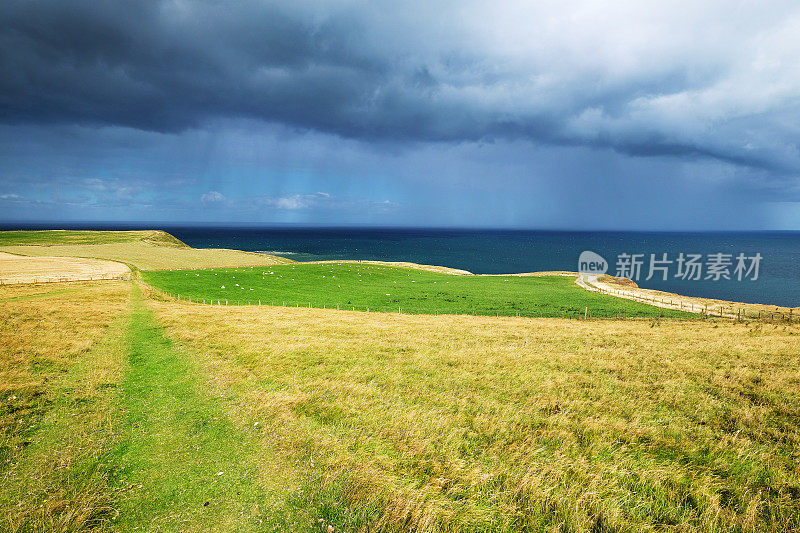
(146, 256)
(15, 269)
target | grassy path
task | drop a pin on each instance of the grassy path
(182, 465)
(107, 425)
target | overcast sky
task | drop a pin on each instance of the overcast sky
(563, 114)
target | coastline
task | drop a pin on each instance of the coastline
(189, 257)
(625, 288)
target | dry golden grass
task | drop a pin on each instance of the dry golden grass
(50, 237)
(409, 422)
(402, 264)
(456, 423)
(566, 273)
(147, 256)
(17, 269)
(12, 292)
(60, 358)
(52, 331)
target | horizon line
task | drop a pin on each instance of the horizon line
(160, 225)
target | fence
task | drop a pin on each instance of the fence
(56, 279)
(573, 313)
(721, 310)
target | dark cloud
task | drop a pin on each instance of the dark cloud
(165, 67)
(675, 80)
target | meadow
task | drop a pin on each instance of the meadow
(137, 249)
(153, 414)
(459, 423)
(62, 355)
(125, 409)
(375, 287)
(55, 237)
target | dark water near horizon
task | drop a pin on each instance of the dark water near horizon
(510, 251)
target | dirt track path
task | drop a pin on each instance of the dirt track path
(668, 300)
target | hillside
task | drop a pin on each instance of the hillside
(53, 237)
(151, 250)
(124, 412)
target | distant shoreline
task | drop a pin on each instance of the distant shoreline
(445, 249)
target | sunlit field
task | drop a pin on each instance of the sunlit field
(123, 410)
(137, 249)
(62, 354)
(62, 237)
(361, 287)
(425, 423)
(437, 267)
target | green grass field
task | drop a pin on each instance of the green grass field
(392, 289)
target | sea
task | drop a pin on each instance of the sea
(755, 267)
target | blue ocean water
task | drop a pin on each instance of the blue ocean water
(509, 251)
(506, 251)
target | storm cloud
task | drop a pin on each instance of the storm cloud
(506, 113)
(678, 79)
